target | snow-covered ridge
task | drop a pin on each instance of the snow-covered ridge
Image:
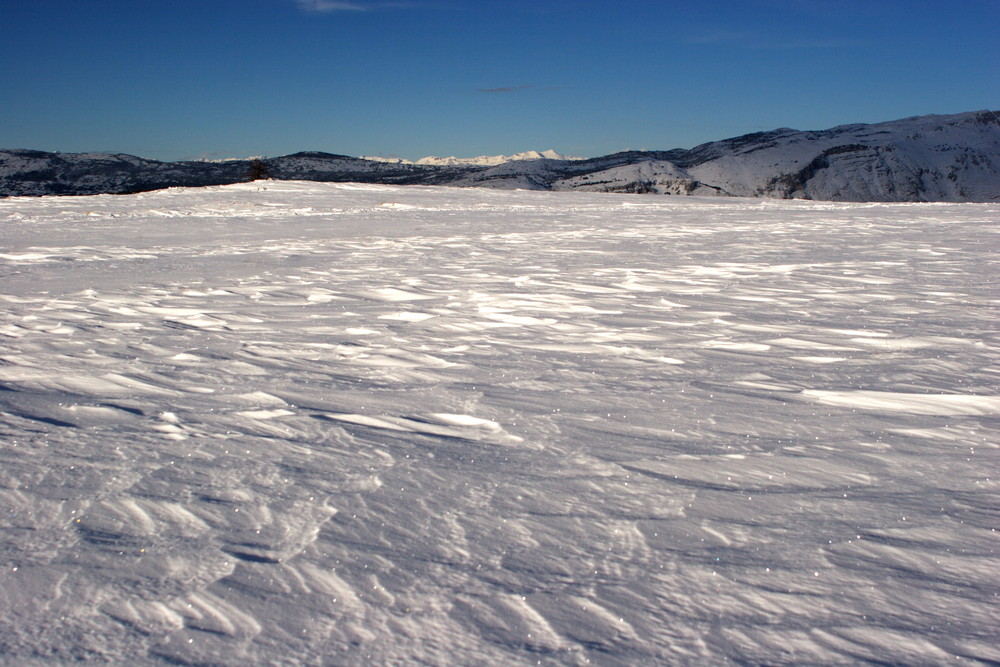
(481, 161)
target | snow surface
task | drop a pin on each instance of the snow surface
(301, 423)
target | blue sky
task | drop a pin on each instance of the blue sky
(179, 79)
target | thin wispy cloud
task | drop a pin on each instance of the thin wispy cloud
(516, 89)
(503, 89)
(808, 44)
(328, 6)
(331, 6)
(761, 42)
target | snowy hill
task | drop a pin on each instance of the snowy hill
(26, 172)
(644, 177)
(927, 158)
(349, 424)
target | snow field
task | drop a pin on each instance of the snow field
(308, 423)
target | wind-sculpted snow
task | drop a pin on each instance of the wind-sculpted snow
(343, 424)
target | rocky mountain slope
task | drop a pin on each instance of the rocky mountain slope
(926, 158)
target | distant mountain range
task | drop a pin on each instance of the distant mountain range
(952, 158)
(481, 161)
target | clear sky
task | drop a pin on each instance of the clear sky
(179, 79)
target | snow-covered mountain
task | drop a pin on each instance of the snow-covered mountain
(926, 158)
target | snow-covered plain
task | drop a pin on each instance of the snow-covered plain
(297, 423)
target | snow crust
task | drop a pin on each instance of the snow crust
(302, 423)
